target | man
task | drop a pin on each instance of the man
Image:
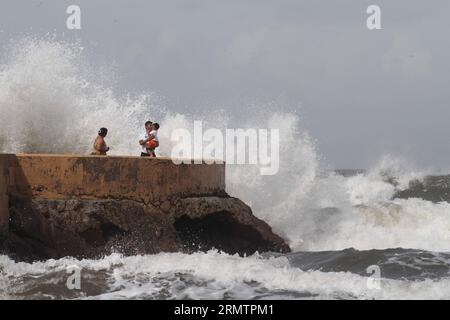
(100, 148)
(145, 137)
(154, 141)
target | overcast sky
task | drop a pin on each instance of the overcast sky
(360, 93)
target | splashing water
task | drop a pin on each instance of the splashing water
(53, 101)
(210, 275)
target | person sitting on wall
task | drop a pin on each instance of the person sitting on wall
(100, 147)
(145, 138)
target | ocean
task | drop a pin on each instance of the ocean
(379, 233)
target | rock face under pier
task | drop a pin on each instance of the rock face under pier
(53, 206)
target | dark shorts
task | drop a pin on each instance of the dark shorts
(152, 154)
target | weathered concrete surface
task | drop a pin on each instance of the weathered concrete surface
(90, 206)
(97, 177)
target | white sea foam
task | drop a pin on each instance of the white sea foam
(209, 275)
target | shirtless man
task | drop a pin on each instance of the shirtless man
(100, 148)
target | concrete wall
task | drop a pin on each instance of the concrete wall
(97, 177)
(4, 182)
(94, 177)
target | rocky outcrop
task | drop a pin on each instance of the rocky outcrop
(43, 228)
(91, 206)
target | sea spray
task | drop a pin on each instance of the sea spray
(52, 100)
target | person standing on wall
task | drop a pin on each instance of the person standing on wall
(146, 137)
(154, 141)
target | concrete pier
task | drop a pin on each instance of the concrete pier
(95, 177)
(58, 205)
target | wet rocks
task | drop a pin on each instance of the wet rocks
(46, 228)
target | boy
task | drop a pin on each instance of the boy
(100, 147)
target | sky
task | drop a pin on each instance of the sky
(360, 93)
